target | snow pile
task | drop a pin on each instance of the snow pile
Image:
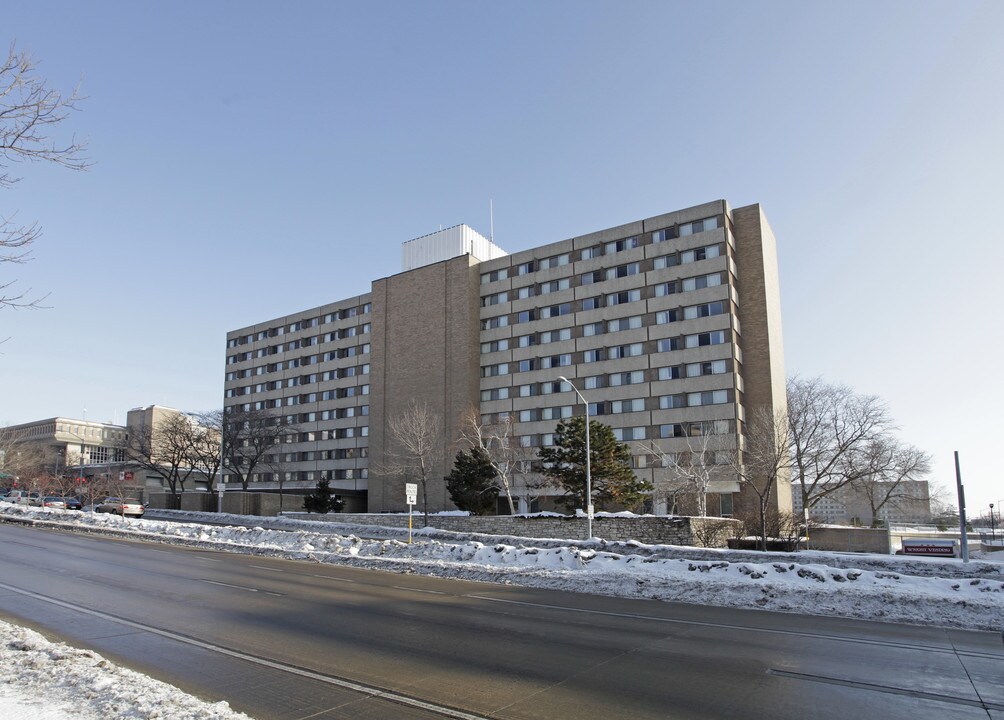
(52, 681)
(939, 592)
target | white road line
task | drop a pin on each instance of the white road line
(388, 695)
(338, 579)
(419, 590)
(262, 567)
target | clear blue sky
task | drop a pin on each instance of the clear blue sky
(255, 159)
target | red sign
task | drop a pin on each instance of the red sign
(128, 476)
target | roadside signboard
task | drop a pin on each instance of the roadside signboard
(410, 496)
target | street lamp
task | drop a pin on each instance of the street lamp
(993, 530)
(589, 486)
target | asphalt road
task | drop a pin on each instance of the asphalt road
(290, 639)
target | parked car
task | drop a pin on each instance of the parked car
(73, 503)
(56, 503)
(22, 497)
(120, 506)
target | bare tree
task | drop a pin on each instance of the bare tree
(499, 439)
(690, 472)
(23, 459)
(29, 112)
(831, 428)
(206, 453)
(249, 436)
(417, 435)
(895, 466)
(762, 461)
(165, 448)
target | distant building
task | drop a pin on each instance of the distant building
(669, 326)
(95, 452)
(849, 505)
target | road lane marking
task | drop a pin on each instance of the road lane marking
(858, 685)
(331, 577)
(262, 567)
(748, 628)
(239, 587)
(419, 590)
(370, 691)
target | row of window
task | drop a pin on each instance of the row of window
(600, 301)
(610, 352)
(634, 434)
(616, 246)
(299, 325)
(308, 476)
(338, 354)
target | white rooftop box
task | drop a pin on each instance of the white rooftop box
(448, 243)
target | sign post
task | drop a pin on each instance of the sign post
(411, 494)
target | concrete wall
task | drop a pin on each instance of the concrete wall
(849, 539)
(650, 530)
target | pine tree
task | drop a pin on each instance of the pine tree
(321, 501)
(613, 481)
(472, 485)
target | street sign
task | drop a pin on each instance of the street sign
(411, 493)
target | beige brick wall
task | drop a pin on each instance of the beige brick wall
(424, 350)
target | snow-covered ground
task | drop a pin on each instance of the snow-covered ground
(922, 591)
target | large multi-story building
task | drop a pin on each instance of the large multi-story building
(670, 327)
(903, 502)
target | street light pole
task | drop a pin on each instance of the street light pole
(589, 486)
(993, 531)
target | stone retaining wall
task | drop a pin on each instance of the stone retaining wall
(654, 530)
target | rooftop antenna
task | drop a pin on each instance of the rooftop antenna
(491, 220)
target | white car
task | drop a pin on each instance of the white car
(120, 506)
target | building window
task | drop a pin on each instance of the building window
(671, 402)
(670, 373)
(526, 268)
(632, 433)
(525, 292)
(495, 394)
(704, 253)
(555, 286)
(591, 252)
(623, 351)
(494, 275)
(628, 323)
(526, 316)
(593, 329)
(692, 228)
(666, 261)
(701, 282)
(708, 397)
(715, 367)
(495, 345)
(553, 311)
(495, 322)
(621, 245)
(626, 378)
(627, 406)
(527, 340)
(716, 337)
(667, 316)
(591, 277)
(626, 296)
(706, 310)
(663, 235)
(623, 271)
(553, 262)
(555, 336)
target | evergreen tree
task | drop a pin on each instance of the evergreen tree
(472, 483)
(321, 501)
(613, 481)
